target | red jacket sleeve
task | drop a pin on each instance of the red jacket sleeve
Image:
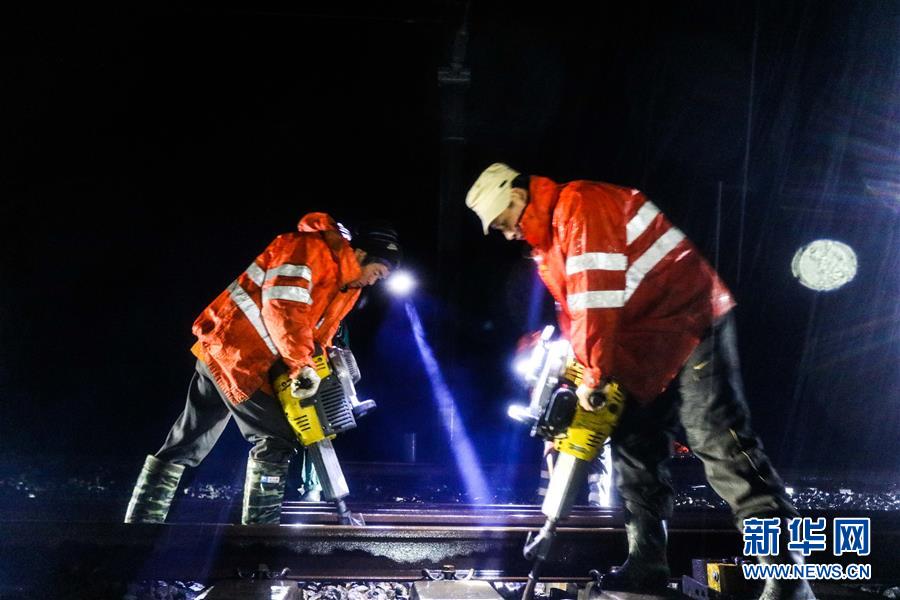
(592, 238)
(291, 265)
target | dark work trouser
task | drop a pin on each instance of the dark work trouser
(207, 412)
(715, 417)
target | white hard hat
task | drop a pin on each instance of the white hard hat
(489, 195)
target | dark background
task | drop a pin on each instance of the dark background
(148, 154)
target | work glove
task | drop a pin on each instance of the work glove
(548, 448)
(584, 394)
(306, 384)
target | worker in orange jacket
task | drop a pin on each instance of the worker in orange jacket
(641, 306)
(291, 299)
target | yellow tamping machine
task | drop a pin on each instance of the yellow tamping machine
(318, 419)
(553, 375)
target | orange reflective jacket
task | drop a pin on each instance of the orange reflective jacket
(292, 296)
(635, 295)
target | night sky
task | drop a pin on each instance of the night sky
(148, 155)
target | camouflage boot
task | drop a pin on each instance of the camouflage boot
(153, 491)
(263, 492)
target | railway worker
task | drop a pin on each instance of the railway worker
(641, 306)
(290, 299)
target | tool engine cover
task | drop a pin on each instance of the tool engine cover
(335, 411)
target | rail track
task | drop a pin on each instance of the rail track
(397, 543)
(501, 515)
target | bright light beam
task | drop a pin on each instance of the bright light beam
(401, 283)
(467, 462)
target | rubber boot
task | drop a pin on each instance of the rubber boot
(263, 492)
(646, 570)
(153, 491)
(785, 589)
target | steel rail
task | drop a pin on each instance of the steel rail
(214, 551)
(531, 516)
(321, 552)
(437, 514)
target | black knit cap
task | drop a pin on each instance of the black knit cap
(380, 242)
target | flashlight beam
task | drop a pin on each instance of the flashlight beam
(467, 462)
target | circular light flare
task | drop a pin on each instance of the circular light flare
(401, 283)
(824, 265)
(521, 366)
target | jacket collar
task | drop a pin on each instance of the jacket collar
(341, 251)
(537, 219)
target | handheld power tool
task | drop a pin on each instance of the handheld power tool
(317, 420)
(553, 375)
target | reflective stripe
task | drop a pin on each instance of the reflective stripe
(289, 271)
(542, 491)
(287, 292)
(251, 311)
(641, 221)
(649, 259)
(604, 299)
(605, 261)
(593, 477)
(256, 274)
(545, 475)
